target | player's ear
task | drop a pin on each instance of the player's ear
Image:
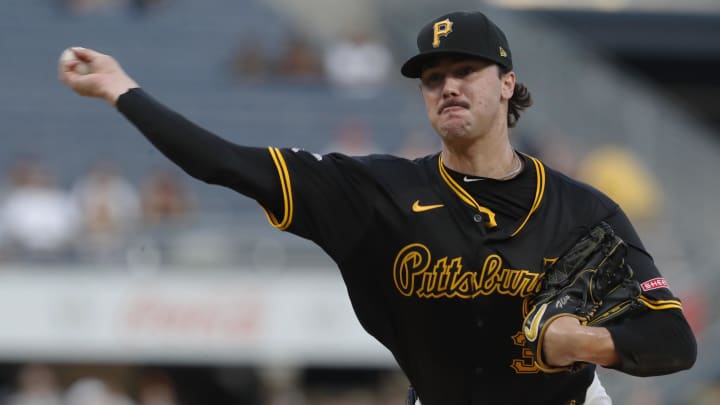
(507, 80)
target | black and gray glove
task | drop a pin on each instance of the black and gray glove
(590, 282)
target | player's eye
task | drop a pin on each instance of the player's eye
(464, 71)
(432, 80)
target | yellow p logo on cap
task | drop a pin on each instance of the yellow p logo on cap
(441, 29)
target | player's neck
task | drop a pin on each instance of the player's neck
(496, 160)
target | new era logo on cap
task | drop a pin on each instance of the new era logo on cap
(459, 33)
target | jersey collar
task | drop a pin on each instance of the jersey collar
(468, 199)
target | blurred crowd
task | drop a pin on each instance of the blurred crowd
(356, 65)
(94, 7)
(43, 384)
(94, 219)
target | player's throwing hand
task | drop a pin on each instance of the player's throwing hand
(101, 76)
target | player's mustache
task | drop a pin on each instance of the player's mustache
(453, 103)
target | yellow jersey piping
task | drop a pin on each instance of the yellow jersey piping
(660, 304)
(464, 195)
(286, 186)
(539, 192)
(468, 199)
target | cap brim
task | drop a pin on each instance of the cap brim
(414, 66)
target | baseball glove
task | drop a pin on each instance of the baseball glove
(590, 282)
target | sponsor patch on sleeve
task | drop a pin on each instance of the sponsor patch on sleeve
(654, 284)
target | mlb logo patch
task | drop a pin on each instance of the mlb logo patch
(654, 284)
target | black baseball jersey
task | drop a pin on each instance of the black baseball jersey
(439, 267)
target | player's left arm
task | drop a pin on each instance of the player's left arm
(655, 339)
(658, 339)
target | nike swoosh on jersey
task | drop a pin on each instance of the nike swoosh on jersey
(467, 179)
(531, 328)
(416, 207)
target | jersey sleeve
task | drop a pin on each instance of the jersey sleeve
(205, 156)
(328, 199)
(656, 340)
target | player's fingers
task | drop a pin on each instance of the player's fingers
(67, 66)
(69, 61)
(64, 68)
(83, 84)
(85, 54)
(70, 78)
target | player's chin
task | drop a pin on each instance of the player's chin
(453, 129)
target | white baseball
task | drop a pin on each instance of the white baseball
(69, 55)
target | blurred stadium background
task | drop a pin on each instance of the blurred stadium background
(119, 274)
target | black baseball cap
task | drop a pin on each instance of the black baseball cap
(464, 33)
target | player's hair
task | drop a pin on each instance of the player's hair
(520, 100)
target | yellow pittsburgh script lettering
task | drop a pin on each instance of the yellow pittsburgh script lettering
(415, 274)
(411, 260)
